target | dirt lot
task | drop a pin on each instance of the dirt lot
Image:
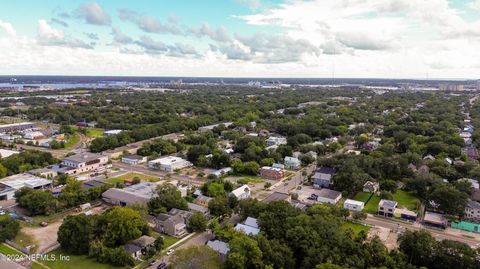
(386, 235)
(44, 236)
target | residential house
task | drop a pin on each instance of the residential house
(292, 163)
(169, 164)
(278, 165)
(202, 200)
(271, 141)
(271, 173)
(220, 247)
(386, 207)
(429, 157)
(221, 172)
(329, 196)
(323, 177)
(4, 153)
(198, 208)
(242, 192)
(133, 250)
(472, 211)
(173, 223)
(371, 187)
(134, 159)
(145, 242)
(353, 205)
(249, 227)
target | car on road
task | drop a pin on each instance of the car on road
(170, 251)
(162, 265)
(152, 263)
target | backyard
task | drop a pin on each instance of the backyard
(372, 205)
(70, 261)
(406, 199)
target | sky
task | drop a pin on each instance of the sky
(422, 39)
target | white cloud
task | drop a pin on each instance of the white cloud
(49, 36)
(93, 13)
(220, 34)
(7, 27)
(475, 5)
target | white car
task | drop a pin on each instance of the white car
(170, 251)
(2, 212)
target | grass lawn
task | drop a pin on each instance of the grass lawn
(247, 180)
(406, 199)
(53, 217)
(94, 132)
(168, 240)
(75, 261)
(362, 196)
(372, 205)
(4, 249)
(356, 227)
(142, 177)
(72, 140)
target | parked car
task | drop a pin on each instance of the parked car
(43, 224)
(152, 263)
(170, 251)
(162, 265)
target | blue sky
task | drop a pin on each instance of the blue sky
(254, 38)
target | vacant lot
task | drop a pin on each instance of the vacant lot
(43, 236)
(406, 199)
(74, 262)
(356, 227)
(130, 176)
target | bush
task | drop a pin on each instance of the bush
(9, 228)
(359, 215)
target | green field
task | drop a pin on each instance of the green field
(120, 179)
(356, 227)
(74, 262)
(72, 140)
(406, 199)
(362, 196)
(372, 205)
(94, 132)
(247, 180)
(168, 240)
(4, 249)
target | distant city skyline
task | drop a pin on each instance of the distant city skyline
(417, 39)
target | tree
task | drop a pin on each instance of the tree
(450, 200)
(9, 228)
(3, 171)
(196, 257)
(244, 253)
(464, 186)
(218, 207)
(75, 233)
(359, 215)
(120, 225)
(37, 202)
(418, 246)
(388, 185)
(168, 197)
(197, 222)
(386, 195)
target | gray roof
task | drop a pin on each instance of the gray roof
(252, 222)
(131, 248)
(82, 157)
(219, 246)
(197, 208)
(330, 194)
(144, 241)
(322, 176)
(387, 203)
(124, 196)
(474, 205)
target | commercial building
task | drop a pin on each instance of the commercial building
(435, 219)
(405, 214)
(353, 205)
(139, 193)
(9, 185)
(386, 208)
(134, 159)
(472, 211)
(169, 164)
(271, 173)
(5, 153)
(466, 226)
(17, 127)
(221, 172)
(84, 162)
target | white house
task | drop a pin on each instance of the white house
(169, 164)
(112, 132)
(134, 159)
(292, 163)
(353, 205)
(329, 196)
(242, 192)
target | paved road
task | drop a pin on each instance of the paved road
(438, 234)
(161, 174)
(297, 179)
